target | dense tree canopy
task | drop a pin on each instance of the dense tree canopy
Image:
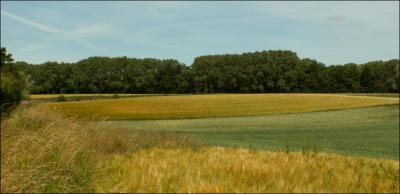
(13, 82)
(266, 71)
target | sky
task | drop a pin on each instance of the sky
(330, 32)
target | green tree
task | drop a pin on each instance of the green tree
(13, 83)
(367, 79)
(265, 71)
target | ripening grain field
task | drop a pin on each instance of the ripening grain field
(241, 170)
(218, 105)
(48, 96)
(204, 143)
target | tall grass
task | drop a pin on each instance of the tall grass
(43, 152)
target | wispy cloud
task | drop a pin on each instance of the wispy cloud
(42, 44)
(50, 29)
(98, 29)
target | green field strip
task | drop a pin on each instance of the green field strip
(372, 131)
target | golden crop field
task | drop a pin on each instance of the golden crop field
(217, 105)
(241, 170)
(48, 96)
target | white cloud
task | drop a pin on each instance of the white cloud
(37, 45)
(367, 14)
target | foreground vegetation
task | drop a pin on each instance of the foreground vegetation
(204, 106)
(242, 170)
(43, 152)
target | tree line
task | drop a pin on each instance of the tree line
(257, 72)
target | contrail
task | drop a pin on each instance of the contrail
(50, 29)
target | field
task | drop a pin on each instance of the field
(204, 143)
(344, 124)
(390, 95)
(205, 106)
(242, 170)
(372, 131)
(50, 96)
(39, 98)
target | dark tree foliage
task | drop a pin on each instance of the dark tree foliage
(258, 72)
(13, 83)
(109, 75)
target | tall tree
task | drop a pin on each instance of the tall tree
(265, 71)
(13, 82)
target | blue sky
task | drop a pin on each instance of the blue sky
(330, 32)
